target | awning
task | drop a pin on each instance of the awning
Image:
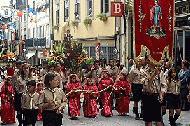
(30, 54)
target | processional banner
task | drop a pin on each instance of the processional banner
(154, 28)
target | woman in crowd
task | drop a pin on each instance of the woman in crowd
(173, 96)
(90, 98)
(21, 77)
(74, 90)
(184, 77)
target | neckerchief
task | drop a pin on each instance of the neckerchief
(31, 99)
(54, 94)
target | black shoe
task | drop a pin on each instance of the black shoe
(74, 118)
(3, 123)
(173, 124)
(137, 117)
(123, 114)
(141, 115)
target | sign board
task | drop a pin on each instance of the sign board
(117, 9)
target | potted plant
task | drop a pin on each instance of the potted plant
(75, 23)
(102, 17)
(87, 22)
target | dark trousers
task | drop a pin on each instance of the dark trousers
(184, 101)
(19, 117)
(30, 117)
(51, 118)
(151, 107)
(17, 105)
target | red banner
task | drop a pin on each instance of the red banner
(154, 28)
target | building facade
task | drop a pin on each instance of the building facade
(33, 28)
(182, 31)
(89, 22)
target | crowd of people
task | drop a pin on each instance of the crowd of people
(42, 93)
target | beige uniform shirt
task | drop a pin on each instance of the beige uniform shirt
(57, 96)
(154, 83)
(30, 101)
(173, 86)
(135, 76)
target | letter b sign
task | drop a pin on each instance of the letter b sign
(117, 9)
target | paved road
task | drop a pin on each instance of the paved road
(116, 120)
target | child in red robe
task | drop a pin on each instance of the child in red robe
(122, 92)
(7, 102)
(105, 87)
(74, 90)
(90, 98)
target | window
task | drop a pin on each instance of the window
(34, 5)
(90, 8)
(92, 52)
(77, 10)
(57, 12)
(105, 52)
(40, 32)
(25, 17)
(33, 32)
(104, 6)
(47, 31)
(111, 53)
(57, 17)
(6, 11)
(66, 10)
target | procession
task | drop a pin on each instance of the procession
(94, 62)
(42, 93)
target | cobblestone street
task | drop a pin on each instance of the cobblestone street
(116, 120)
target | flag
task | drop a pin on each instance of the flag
(154, 28)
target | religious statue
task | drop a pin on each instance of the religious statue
(155, 17)
(156, 14)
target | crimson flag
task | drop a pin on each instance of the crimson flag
(154, 28)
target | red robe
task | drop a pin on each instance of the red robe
(10, 71)
(122, 96)
(74, 99)
(7, 104)
(106, 97)
(39, 116)
(90, 108)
